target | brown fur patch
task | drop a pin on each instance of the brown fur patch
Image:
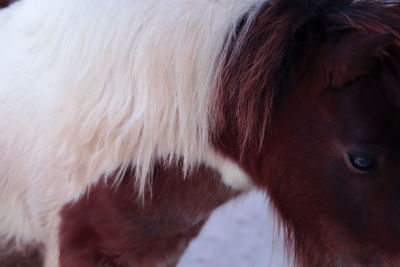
(5, 3)
(31, 256)
(110, 226)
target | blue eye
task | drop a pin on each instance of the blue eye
(362, 163)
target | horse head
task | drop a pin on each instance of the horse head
(316, 123)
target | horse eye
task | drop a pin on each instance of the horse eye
(362, 163)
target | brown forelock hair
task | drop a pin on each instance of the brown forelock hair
(259, 59)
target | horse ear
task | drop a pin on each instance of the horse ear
(356, 54)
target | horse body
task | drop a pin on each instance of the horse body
(126, 123)
(151, 68)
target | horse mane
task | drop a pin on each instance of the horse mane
(258, 64)
(128, 89)
(124, 87)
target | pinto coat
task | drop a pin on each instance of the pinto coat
(125, 123)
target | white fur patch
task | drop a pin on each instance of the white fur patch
(235, 177)
(231, 174)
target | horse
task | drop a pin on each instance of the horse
(126, 123)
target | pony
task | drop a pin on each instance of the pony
(125, 123)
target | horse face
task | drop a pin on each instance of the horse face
(334, 174)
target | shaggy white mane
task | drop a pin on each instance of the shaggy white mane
(87, 87)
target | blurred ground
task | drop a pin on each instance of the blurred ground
(239, 234)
